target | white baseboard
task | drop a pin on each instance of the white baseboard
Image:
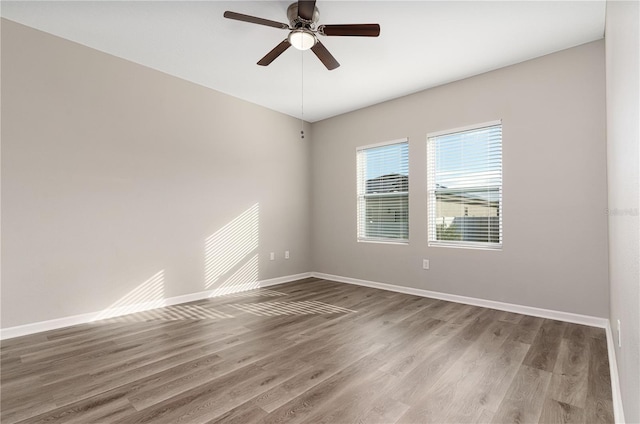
(37, 327)
(491, 304)
(618, 412)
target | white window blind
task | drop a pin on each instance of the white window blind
(465, 187)
(383, 192)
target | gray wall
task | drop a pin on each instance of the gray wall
(555, 190)
(113, 173)
(623, 154)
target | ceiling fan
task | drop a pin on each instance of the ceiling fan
(303, 32)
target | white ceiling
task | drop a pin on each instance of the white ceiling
(422, 44)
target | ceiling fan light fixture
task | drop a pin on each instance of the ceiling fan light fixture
(303, 32)
(302, 39)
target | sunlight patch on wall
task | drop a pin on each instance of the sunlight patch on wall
(231, 258)
(148, 295)
(243, 279)
(290, 308)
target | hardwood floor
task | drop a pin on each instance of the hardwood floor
(310, 351)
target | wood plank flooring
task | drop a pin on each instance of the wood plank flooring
(310, 351)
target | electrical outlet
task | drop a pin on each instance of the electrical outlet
(272, 256)
(286, 254)
(425, 264)
(619, 335)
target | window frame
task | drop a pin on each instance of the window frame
(432, 190)
(361, 196)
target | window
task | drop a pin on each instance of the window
(383, 192)
(465, 187)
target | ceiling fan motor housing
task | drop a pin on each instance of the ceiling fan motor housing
(297, 22)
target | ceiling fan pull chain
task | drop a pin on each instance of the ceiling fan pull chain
(302, 94)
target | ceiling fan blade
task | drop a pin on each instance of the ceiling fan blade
(273, 54)
(306, 9)
(353, 30)
(325, 57)
(254, 20)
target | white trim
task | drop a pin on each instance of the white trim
(399, 242)
(616, 395)
(466, 245)
(383, 143)
(463, 129)
(37, 327)
(491, 304)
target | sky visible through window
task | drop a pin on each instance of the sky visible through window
(387, 160)
(462, 158)
(472, 156)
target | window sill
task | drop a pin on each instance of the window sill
(375, 241)
(497, 247)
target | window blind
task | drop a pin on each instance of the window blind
(465, 187)
(383, 192)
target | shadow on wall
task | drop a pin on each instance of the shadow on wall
(231, 266)
(231, 260)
